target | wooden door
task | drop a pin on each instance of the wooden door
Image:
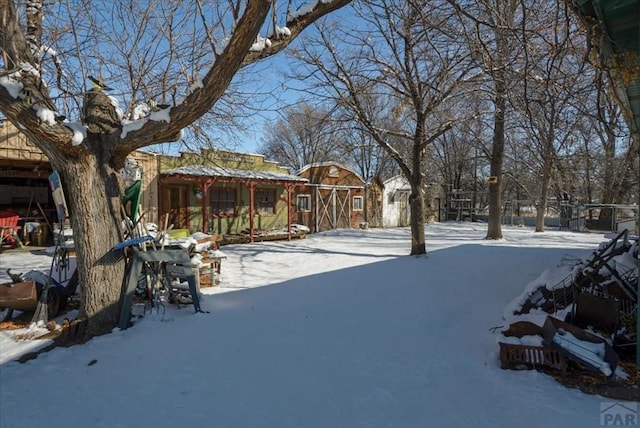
(175, 202)
(403, 219)
(333, 209)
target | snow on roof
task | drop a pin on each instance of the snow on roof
(218, 171)
(400, 179)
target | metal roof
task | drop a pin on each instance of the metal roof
(240, 174)
(620, 23)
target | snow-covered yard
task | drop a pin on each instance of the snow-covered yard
(340, 329)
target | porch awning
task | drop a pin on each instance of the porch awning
(201, 171)
(620, 25)
(207, 175)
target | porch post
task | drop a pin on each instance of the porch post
(317, 209)
(289, 187)
(206, 184)
(252, 188)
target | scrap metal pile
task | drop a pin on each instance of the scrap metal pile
(587, 319)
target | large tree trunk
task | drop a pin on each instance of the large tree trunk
(94, 209)
(416, 202)
(541, 206)
(494, 224)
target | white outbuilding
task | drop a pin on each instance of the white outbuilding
(395, 202)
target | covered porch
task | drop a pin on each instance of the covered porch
(234, 199)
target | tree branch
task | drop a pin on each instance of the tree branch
(295, 25)
(235, 55)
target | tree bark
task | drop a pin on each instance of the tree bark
(541, 207)
(93, 211)
(416, 202)
(494, 224)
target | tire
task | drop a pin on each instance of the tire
(53, 303)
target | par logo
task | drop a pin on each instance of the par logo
(613, 413)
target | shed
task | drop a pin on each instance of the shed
(24, 179)
(333, 198)
(395, 202)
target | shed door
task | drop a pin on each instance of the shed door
(333, 210)
(403, 219)
(175, 202)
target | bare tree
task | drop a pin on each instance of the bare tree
(190, 68)
(491, 30)
(303, 135)
(396, 76)
(619, 152)
(366, 156)
(554, 80)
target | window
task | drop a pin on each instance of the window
(223, 201)
(392, 198)
(358, 203)
(265, 201)
(303, 203)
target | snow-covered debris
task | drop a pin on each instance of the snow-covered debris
(528, 340)
(547, 280)
(300, 228)
(592, 353)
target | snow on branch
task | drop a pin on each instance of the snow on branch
(306, 10)
(297, 21)
(13, 83)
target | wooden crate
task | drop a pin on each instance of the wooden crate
(512, 356)
(205, 279)
(21, 296)
(516, 355)
(553, 326)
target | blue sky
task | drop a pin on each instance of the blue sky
(283, 91)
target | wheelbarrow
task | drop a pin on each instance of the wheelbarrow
(25, 290)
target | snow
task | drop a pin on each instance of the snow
(549, 278)
(283, 31)
(161, 115)
(116, 106)
(593, 353)
(340, 329)
(130, 126)
(45, 115)
(306, 9)
(140, 111)
(218, 171)
(13, 86)
(527, 340)
(261, 44)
